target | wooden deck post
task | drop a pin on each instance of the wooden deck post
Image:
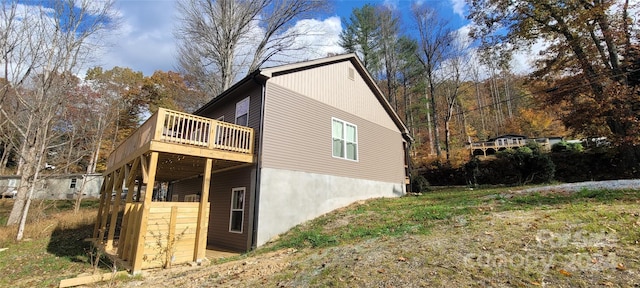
(125, 227)
(203, 219)
(102, 196)
(136, 266)
(172, 234)
(107, 205)
(160, 123)
(116, 208)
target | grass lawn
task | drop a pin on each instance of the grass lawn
(453, 238)
(53, 248)
(461, 238)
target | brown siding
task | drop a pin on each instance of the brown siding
(186, 187)
(220, 199)
(220, 206)
(297, 136)
(331, 85)
(227, 107)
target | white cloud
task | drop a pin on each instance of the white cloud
(459, 7)
(391, 4)
(320, 39)
(462, 36)
(144, 42)
(522, 62)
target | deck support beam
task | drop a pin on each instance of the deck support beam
(103, 187)
(116, 208)
(125, 229)
(106, 207)
(136, 266)
(201, 230)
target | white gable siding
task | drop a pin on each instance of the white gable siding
(330, 84)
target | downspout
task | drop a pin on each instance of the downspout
(407, 156)
(256, 191)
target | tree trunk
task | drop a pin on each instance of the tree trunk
(434, 114)
(8, 147)
(70, 152)
(429, 127)
(481, 108)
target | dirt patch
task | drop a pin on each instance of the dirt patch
(229, 274)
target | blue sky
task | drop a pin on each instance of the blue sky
(146, 42)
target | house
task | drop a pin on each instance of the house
(282, 146)
(506, 141)
(56, 186)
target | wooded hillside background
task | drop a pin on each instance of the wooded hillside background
(450, 87)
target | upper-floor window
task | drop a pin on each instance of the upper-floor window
(74, 181)
(242, 112)
(345, 139)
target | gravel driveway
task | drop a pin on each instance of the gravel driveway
(591, 185)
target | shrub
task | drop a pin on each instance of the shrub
(564, 146)
(512, 167)
(419, 184)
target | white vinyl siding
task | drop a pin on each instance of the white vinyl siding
(236, 216)
(344, 139)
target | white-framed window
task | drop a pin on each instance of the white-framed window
(344, 139)
(74, 181)
(242, 112)
(236, 216)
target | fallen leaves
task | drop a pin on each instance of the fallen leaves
(565, 272)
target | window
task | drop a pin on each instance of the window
(345, 139)
(242, 112)
(74, 181)
(237, 210)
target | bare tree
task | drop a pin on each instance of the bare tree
(42, 50)
(452, 70)
(434, 41)
(389, 35)
(218, 40)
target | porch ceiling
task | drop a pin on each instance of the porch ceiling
(173, 167)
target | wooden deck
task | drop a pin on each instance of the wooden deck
(491, 147)
(169, 146)
(184, 134)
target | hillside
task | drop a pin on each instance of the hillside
(451, 237)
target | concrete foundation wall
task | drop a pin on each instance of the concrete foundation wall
(288, 198)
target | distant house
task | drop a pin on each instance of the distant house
(513, 141)
(56, 187)
(288, 144)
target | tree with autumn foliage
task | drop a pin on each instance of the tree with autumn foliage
(588, 66)
(169, 90)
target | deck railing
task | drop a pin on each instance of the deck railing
(500, 144)
(509, 143)
(187, 129)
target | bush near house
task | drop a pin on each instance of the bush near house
(526, 165)
(531, 165)
(597, 164)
